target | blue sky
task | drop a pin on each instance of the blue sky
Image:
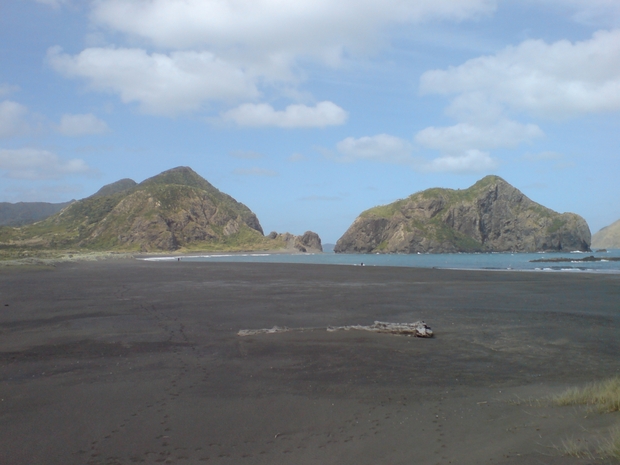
(311, 111)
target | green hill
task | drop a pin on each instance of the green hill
(175, 210)
(489, 216)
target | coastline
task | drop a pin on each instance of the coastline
(123, 361)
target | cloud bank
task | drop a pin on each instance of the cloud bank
(81, 125)
(35, 164)
(294, 116)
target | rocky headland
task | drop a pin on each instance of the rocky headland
(490, 216)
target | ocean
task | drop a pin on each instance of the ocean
(463, 261)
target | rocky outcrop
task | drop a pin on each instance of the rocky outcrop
(308, 242)
(490, 216)
(608, 237)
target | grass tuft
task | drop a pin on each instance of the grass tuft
(604, 395)
(610, 448)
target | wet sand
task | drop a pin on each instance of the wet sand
(121, 362)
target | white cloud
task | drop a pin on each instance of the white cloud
(591, 11)
(161, 84)
(464, 136)
(294, 116)
(230, 47)
(81, 125)
(28, 163)
(6, 89)
(255, 171)
(13, 119)
(472, 161)
(275, 28)
(552, 80)
(382, 148)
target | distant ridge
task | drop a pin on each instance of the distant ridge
(489, 216)
(22, 213)
(607, 237)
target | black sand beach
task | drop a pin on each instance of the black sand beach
(121, 362)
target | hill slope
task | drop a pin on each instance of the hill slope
(489, 216)
(173, 210)
(608, 237)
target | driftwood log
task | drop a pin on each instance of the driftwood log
(417, 329)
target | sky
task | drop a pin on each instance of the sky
(312, 111)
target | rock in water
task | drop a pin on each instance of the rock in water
(308, 242)
(490, 216)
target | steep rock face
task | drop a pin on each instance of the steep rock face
(608, 237)
(175, 209)
(491, 215)
(308, 242)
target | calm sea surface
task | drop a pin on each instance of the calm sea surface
(483, 261)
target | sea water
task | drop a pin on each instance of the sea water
(464, 261)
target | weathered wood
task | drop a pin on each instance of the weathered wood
(417, 329)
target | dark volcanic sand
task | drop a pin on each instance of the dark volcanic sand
(137, 362)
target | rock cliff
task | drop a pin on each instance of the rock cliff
(489, 216)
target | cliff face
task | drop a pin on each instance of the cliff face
(608, 237)
(491, 215)
(174, 209)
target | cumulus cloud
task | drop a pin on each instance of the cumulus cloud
(553, 80)
(464, 136)
(230, 48)
(382, 147)
(13, 119)
(29, 163)
(255, 171)
(472, 161)
(162, 84)
(274, 27)
(294, 116)
(81, 125)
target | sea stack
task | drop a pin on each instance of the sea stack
(490, 216)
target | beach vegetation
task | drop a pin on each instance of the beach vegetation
(603, 395)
